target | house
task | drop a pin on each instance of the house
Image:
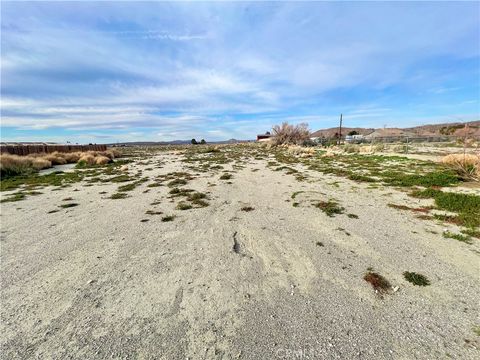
(264, 137)
(354, 138)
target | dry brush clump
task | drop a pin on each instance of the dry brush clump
(466, 165)
(290, 134)
(12, 165)
(300, 150)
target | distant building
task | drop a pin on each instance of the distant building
(354, 138)
(264, 137)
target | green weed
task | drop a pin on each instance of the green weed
(330, 207)
(416, 279)
(463, 238)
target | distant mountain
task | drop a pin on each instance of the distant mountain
(453, 129)
(332, 131)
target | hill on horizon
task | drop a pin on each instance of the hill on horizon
(451, 129)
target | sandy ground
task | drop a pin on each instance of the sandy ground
(94, 282)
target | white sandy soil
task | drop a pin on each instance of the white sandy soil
(94, 282)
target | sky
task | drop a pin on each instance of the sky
(105, 72)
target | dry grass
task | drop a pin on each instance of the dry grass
(11, 165)
(467, 166)
(301, 151)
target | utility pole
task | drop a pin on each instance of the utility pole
(465, 137)
(340, 130)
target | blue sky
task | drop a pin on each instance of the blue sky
(120, 71)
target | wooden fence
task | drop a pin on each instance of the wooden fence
(26, 149)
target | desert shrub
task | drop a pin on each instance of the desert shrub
(72, 157)
(466, 166)
(93, 158)
(379, 147)
(301, 151)
(290, 134)
(55, 158)
(86, 159)
(39, 163)
(102, 160)
(12, 165)
(351, 148)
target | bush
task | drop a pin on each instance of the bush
(290, 134)
(416, 279)
(12, 165)
(466, 166)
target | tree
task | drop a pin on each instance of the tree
(203, 142)
(290, 134)
(353, 132)
(194, 142)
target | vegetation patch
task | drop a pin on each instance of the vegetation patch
(200, 202)
(437, 178)
(294, 195)
(247, 208)
(168, 218)
(14, 197)
(175, 192)
(466, 205)
(68, 205)
(416, 279)
(196, 196)
(330, 207)
(177, 182)
(31, 181)
(361, 178)
(399, 207)
(183, 206)
(471, 232)
(153, 212)
(226, 176)
(120, 178)
(119, 195)
(460, 237)
(378, 282)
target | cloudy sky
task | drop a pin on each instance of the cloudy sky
(120, 71)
